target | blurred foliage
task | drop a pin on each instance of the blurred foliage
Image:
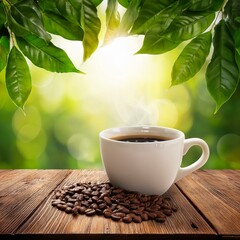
(66, 112)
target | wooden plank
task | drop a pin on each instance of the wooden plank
(217, 195)
(11, 177)
(3, 171)
(19, 200)
(104, 236)
(183, 224)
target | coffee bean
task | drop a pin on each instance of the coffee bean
(69, 210)
(127, 219)
(161, 220)
(85, 203)
(107, 214)
(135, 201)
(139, 210)
(75, 210)
(126, 203)
(144, 216)
(112, 202)
(151, 215)
(166, 206)
(70, 192)
(134, 206)
(99, 211)
(174, 208)
(95, 193)
(57, 195)
(95, 198)
(167, 212)
(102, 206)
(123, 210)
(113, 206)
(61, 207)
(137, 219)
(56, 202)
(93, 206)
(75, 196)
(70, 204)
(107, 200)
(115, 217)
(120, 214)
(80, 197)
(90, 212)
(117, 190)
(82, 210)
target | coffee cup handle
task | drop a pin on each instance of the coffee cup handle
(188, 143)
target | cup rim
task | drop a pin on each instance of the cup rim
(108, 134)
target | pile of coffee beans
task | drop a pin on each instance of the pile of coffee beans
(112, 202)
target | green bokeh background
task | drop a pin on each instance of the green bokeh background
(65, 112)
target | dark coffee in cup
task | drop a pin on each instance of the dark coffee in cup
(140, 138)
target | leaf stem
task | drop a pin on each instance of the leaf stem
(218, 13)
(12, 38)
(6, 6)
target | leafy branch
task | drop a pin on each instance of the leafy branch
(26, 27)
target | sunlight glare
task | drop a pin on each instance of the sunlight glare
(126, 87)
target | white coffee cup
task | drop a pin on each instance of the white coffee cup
(148, 167)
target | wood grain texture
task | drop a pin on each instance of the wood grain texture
(50, 220)
(217, 195)
(23, 194)
(10, 177)
(208, 204)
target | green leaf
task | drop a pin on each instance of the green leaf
(4, 50)
(91, 26)
(48, 6)
(189, 25)
(183, 27)
(70, 9)
(148, 10)
(217, 5)
(222, 72)
(237, 19)
(58, 25)
(46, 56)
(2, 15)
(129, 17)
(124, 3)
(96, 2)
(157, 45)
(112, 20)
(163, 19)
(237, 58)
(25, 16)
(236, 36)
(191, 58)
(232, 12)
(18, 79)
(200, 5)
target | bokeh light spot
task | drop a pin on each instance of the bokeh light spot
(79, 147)
(33, 149)
(228, 148)
(27, 126)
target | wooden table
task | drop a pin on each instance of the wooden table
(208, 201)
